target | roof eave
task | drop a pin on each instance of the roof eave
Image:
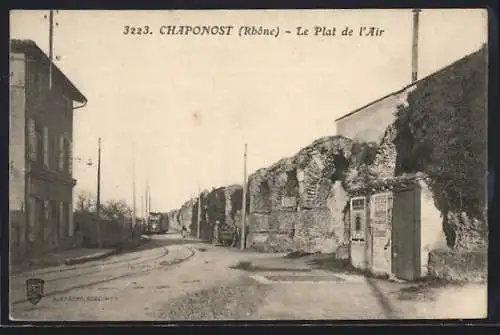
(30, 47)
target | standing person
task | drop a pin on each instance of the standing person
(183, 231)
(216, 233)
(236, 236)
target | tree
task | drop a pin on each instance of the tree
(85, 202)
(117, 210)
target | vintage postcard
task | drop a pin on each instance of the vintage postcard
(248, 165)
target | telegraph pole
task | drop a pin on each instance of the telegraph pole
(414, 58)
(133, 190)
(147, 197)
(98, 205)
(244, 200)
(149, 200)
(51, 45)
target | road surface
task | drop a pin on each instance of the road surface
(175, 279)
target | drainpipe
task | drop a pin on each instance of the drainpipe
(414, 58)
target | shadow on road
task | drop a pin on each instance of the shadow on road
(247, 266)
(330, 263)
(382, 299)
(157, 241)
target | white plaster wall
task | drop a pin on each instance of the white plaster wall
(431, 228)
(370, 123)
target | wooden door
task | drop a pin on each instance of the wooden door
(406, 234)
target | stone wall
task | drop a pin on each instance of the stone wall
(186, 214)
(314, 232)
(173, 223)
(259, 190)
(298, 202)
(384, 165)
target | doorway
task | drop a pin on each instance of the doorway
(406, 233)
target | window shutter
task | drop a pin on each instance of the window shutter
(61, 153)
(70, 157)
(32, 139)
(46, 209)
(45, 146)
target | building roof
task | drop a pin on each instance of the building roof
(30, 48)
(411, 84)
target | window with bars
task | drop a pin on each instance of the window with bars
(358, 204)
(66, 155)
(358, 219)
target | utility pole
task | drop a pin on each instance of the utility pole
(149, 200)
(98, 205)
(199, 213)
(142, 206)
(133, 190)
(244, 199)
(414, 58)
(51, 45)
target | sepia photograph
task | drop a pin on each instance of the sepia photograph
(199, 165)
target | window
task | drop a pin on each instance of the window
(357, 224)
(358, 219)
(358, 204)
(64, 161)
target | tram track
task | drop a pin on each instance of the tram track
(100, 277)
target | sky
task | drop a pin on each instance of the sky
(182, 107)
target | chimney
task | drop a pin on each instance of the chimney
(414, 53)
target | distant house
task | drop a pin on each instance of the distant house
(40, 152)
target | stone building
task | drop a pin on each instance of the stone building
(40, 151)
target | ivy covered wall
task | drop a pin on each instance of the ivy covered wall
(442, 133)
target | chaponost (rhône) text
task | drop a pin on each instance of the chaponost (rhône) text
(246, 30)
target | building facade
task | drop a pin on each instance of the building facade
(42, 102)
